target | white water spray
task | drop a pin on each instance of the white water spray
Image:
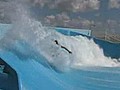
(28, 32)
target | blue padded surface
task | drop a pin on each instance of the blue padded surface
(35, 76)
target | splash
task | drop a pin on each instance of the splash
(29, 39)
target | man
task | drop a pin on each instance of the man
(62, 47)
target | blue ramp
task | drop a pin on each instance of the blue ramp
(33, 75)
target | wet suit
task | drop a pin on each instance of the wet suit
(63, 47)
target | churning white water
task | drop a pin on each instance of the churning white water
(30, 39)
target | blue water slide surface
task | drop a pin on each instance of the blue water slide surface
(35, 76)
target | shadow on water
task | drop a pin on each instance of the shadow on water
(8, 77)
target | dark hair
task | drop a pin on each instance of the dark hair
(56, 42)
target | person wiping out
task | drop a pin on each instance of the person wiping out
(63, 47)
